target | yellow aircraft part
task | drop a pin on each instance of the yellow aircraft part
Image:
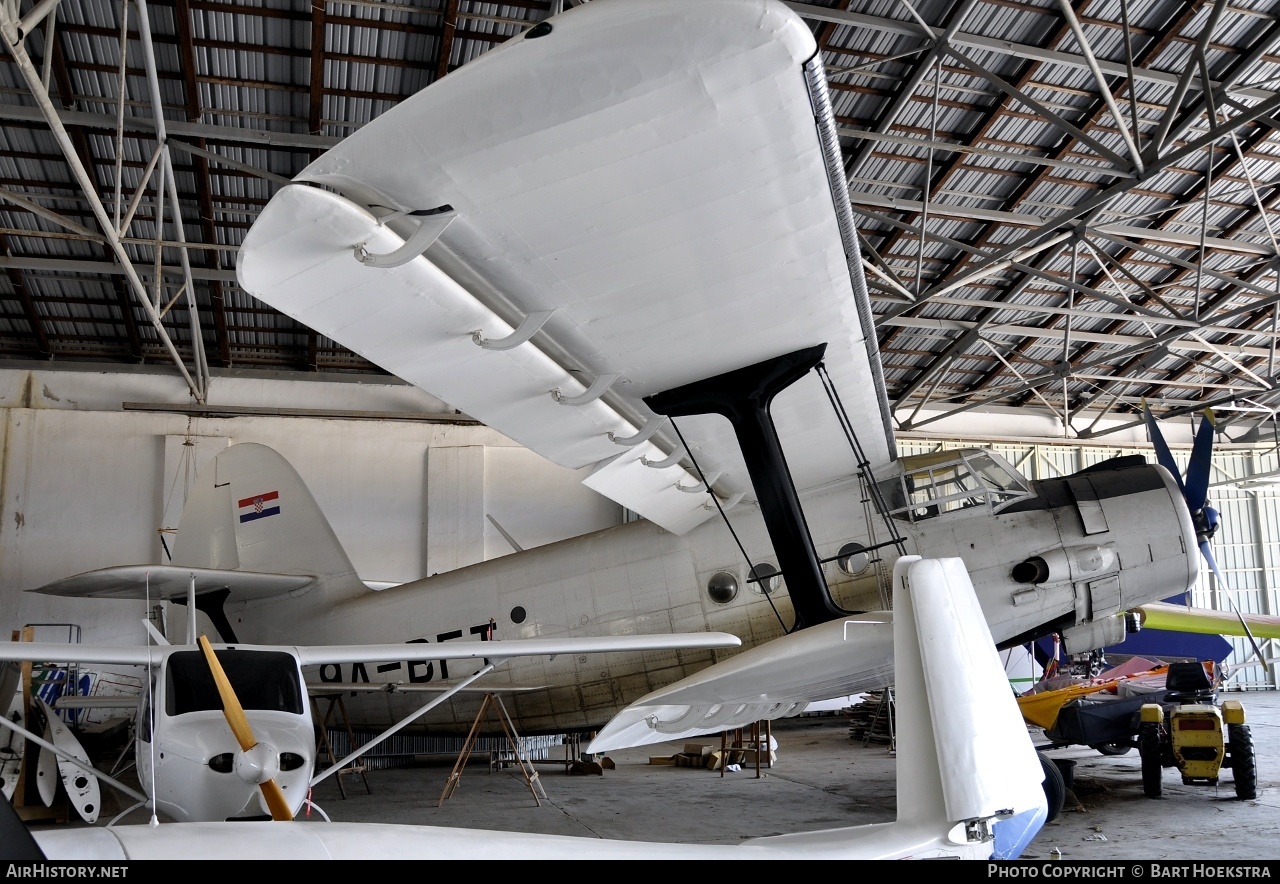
(1177, 618)
(1042, 709)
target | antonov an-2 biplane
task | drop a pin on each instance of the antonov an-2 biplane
(624, 239)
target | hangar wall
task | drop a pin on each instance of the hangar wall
(86, 484)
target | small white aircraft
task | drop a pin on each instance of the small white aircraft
(226, 732)
(632, 215)
(968, 777)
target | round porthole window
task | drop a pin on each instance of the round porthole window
(517, 614)
(722, 587)
(853, 558)
(764, 578)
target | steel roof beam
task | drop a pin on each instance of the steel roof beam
(1065, 370)
(29, 311)
(204, 183)
(961, 271)
(907, 87)
(1008, 47)
(175, 204)
(229, 134)
(107, 268)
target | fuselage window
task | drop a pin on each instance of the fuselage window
(930, 485)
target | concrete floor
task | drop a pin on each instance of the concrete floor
(824, 779)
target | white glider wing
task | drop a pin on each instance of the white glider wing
(627, 198)
(309, 655)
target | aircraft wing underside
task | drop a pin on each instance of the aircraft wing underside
(774, 680)
(169, 582)
(321, 688)
(645, 197)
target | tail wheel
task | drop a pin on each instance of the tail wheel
(1149, 749)
(1055, 788)
(1244, 766)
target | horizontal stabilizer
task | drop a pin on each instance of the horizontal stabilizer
(170, 582)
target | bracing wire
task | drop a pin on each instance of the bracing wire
(151, 714)
(864, 466)
(725, 517)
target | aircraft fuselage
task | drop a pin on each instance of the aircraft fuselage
(1087, 547)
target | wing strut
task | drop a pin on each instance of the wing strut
(744, 396)
(406, 721)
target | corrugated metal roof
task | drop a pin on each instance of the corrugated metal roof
(1026, 151)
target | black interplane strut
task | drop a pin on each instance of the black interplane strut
(744, 396)
(210, 604)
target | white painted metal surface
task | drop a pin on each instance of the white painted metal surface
(701, 241)
(944, 808)
(773, 680)
(183, 732)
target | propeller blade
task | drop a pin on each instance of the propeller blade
(1164, 456)
(230, 702)
(1207, 552)
(1197, 484)
(276, 802)
(239, 723)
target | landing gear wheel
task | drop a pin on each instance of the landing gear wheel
(1111, 748)
(1149, 749)
(1055, 789)
(1244, 766)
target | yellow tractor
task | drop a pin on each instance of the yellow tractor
(1195, 734)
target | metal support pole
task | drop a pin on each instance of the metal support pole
(13, 39)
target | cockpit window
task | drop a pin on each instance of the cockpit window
(929, 485)
(263, 680)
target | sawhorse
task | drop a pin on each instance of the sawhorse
(322, 738)
(526, 767)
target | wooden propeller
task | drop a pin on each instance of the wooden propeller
(239, 723)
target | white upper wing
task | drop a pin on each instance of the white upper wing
(649, 170)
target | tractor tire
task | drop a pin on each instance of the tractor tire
(1150, 750)
(1055, 788)
(1111, 748)
(1244, 766)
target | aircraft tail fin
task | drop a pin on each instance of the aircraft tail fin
(962, 744)
(964, 757)
(251, 511)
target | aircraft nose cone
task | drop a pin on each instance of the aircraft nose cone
(259, 764)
